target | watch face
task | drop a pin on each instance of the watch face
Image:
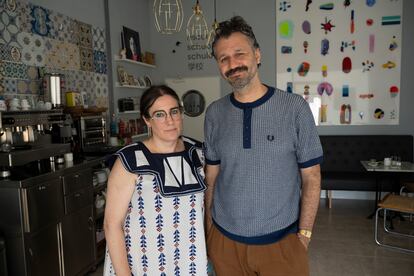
(194, 103)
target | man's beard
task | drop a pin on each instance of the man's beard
(239, 83)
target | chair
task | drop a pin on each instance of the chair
(395, 203)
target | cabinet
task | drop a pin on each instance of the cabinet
(49, 226)
(77, 226)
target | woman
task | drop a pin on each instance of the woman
(154, 213)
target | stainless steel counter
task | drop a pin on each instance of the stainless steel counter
(26, 179)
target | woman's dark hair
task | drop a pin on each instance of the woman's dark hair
(152, 94)
(236, 24)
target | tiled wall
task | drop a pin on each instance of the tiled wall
(36, 40)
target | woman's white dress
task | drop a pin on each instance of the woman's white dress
(164, 231)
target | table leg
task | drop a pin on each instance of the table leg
(377, 196)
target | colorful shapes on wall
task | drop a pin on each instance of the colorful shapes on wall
(324, 70)
(391, 20)
(308, 2)
(346, 65)
(303, 69)
(324, 113)
(325, 87)
(284, 6)
(286, 49)
(371, 43)
(327, 6)
(366, 96)
(394, 91)
(352, 27)
(346, 44)
(306, 27)
(345, 114)
(369, 22)
(370, 3)
(286, 29)
(289, 87)
(347, 3)
(305, 46)
(345, 90)
(378, 113)
(324, 47)
(327, 26)
(289, 69)
(393, 44)
(389, 65)
(367, 65)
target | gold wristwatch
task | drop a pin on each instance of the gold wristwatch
(305, 233)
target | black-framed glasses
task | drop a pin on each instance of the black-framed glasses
(161, 115)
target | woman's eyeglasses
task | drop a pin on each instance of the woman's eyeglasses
(161, 115)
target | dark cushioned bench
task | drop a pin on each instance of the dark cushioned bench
(341, 168)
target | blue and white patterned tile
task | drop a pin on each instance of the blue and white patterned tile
(23, 13)
(9, 27)
(99, 41)
(101, 85)
(99, 60)
(39, 19)
(61, 27)
(70, 79)
(33, 48)
(85, 35)
(13, 70)
(9, 85)
(86, 59)
(73, 33)
(10, 53)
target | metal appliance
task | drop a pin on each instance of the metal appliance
(26, 136)
(92, 130)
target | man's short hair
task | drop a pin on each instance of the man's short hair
(236, 24)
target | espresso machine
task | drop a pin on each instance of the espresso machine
(32, 135)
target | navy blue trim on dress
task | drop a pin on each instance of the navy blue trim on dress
(261, 240)
(312, 162)
(211, 162)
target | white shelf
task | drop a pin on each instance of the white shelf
(117, 84)
(116, 58)
(130, 112)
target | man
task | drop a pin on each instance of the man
(263, 154)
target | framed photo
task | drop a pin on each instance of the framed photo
(131, 43)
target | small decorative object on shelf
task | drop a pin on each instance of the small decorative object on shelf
(149, 58)
(122, 75)
(122, 53)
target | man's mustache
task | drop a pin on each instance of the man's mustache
(235, 70)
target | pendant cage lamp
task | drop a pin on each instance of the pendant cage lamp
(197, 28)
(168, 16)
(212, 32)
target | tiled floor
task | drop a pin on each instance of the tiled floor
(343, 244)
